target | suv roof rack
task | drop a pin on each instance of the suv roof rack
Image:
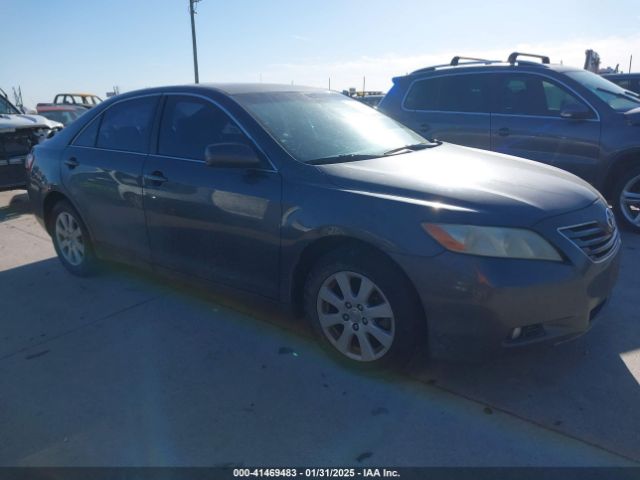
(456, 60)
(513, 58)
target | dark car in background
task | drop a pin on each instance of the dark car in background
(64, 114)
(383, 239)
(628, 81)
(566, 117)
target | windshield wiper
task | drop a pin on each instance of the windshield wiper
(411, 148)
(626, 96)
(351, 157)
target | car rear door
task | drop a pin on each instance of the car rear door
(102, 170)
(526, 122)
(453, 108)
(221, 224)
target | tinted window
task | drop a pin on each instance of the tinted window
(530, 95)
(464, 93)
(557, 98)
(88, 136)
(190, 124)
(451, 93)
(126, 126)
(423, 95)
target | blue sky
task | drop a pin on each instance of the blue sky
(91, 45)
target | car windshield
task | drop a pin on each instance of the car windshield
(315, 126)
(618, 98)
(7, 108)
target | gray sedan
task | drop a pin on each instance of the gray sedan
(383, 240)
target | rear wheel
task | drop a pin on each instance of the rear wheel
(363, 309)
(71, 240)
(626, 198)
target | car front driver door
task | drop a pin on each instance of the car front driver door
(217, 223)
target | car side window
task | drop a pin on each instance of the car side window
(88, 136)
(189, 124)
(450, 93)
(126, 126)
(557, 98)
(522, 94)
(423, 94)
(464, 93)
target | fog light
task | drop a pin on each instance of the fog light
(516, 333)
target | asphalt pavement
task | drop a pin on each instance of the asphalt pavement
(131, 369)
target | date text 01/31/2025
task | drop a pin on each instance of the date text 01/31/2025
(315, 472)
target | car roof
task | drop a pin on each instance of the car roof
(228, 89)
(79, 94)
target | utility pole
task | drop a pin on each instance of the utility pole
(630, 60)
(192, 11)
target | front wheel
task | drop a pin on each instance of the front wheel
(364, 309)
(626, 199)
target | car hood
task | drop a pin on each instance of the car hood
(15, 121)
(509, 190)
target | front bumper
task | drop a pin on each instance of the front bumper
(473, 304)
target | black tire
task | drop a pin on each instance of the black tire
(89, 262)
(408, 317)
(616, 198)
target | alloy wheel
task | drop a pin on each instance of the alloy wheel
(630, 201)
(355, 316)
(69, 239)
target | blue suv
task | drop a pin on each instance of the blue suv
(566, 117)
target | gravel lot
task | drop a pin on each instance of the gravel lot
(128, 369)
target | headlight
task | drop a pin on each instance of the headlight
(492, 241)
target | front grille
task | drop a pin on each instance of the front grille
(597, 242)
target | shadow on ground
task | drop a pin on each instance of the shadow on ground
(18, 206)
(587, 389)
(127, 369)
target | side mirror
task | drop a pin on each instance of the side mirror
(231, 155)
(575, 111)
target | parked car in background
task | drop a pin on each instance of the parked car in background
(566, 117)
(84, 100)
(628, 81)
(384, 239)
(64, 114)
(18, 134)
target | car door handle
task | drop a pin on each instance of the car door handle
(424, 127)
(72, 163)
(155, 178)
(504, 132)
